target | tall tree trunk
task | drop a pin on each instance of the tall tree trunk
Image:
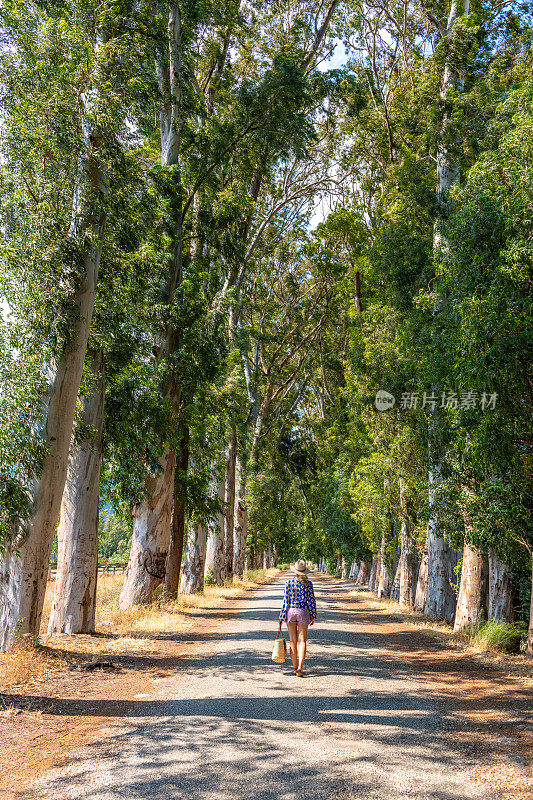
(421, 585)
(173, 565)
(151, 536)
(25, 560)
(343, 568)
(530, 629)
(215, 542)
(407, 565)
(501, 591)
(192, 580)
(372, 580)
(153, 515)
(74, 601)
(384, 582)
(472, 600)
(440, 601)
(440, 597)
(229, 503)
(239, 531)
(363, 574)
(395, 588)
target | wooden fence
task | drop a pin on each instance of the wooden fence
(104, 568)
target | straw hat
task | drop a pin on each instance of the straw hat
(300, 567)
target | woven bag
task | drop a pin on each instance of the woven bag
(279, 651)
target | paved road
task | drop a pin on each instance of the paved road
(235, 725)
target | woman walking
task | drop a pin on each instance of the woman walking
(299, 611)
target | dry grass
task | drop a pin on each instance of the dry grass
(25, 664)
(129, 631)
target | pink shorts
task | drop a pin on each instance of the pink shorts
(298, 616)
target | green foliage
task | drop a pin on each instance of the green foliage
(114, 537)
(498, 636)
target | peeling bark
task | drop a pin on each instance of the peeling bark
(501, 590)
(229, 503)
(151, 536)
(530, 629)
(215, 543)
(177, 534)
(406, 567)
(372, 580)
(440, 597)
(472, 600)
(384, 581)
(421, 585)
(364, 573)
(240, 532)
(395, 588)
(74, 601)
(192, 580)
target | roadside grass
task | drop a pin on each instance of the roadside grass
(118, 632)
(498, 637)
(24, 664)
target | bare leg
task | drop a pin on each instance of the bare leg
(302, 645)
(293, 636)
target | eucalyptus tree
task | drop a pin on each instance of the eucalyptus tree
(243, 103)
(61, 130)
(488, 342)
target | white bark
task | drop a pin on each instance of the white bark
(395, 588)
(383, 580)
(500, 606)
(364, 573)
(406, 567)
(215, 543)
(192, 579)
(421, 585)
(240, 533)
(472, 599)
(229, 504)
(372, 580)
(530, 629)
(74, 601)
(151, 536)
(343, 568)
(440, 597)
(24, 566)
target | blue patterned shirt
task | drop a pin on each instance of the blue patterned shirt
(298, 595)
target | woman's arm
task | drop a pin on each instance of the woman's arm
(285, 607)
(311, 602)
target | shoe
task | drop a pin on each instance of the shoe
(299, 673)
